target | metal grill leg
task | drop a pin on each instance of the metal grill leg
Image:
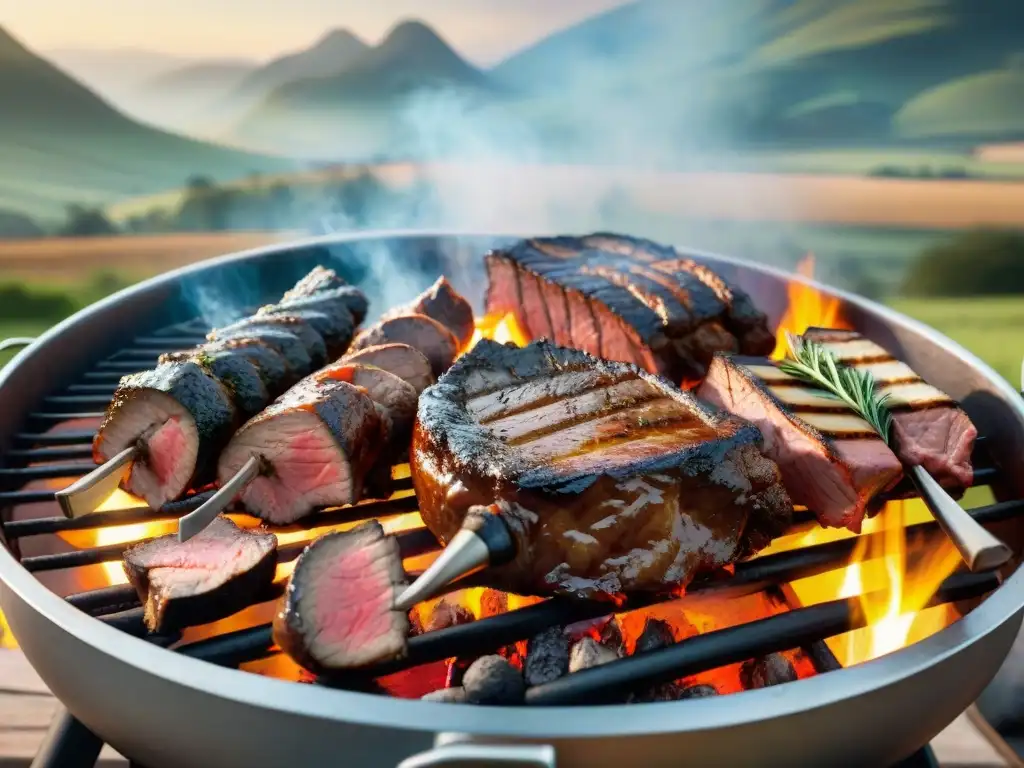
(68, 744)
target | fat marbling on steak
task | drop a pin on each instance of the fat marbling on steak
(612, 480)
(625, 299)
(831, 460)
(928, 427)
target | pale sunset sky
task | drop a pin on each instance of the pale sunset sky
(482, 30)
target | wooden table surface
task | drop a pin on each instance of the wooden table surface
(26, 708)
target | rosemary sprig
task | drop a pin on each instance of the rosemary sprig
(813, 363)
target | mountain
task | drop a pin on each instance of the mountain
(64, 144)
(180, 99)
(790, 71)
(351, 109)
(114, 73)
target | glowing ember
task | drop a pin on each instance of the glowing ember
(807, 307)
(500, 328)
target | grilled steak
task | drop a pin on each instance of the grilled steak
(407, 363)
(394, 398)
(237, 373)
(269, 365)
(444, 304)
(315, 443)
(333, 321)
(928, 427)
(435, 341)
(832, 461)
(179, 416)
(218, 572)
(285, 343)
(337, 612)
(352, 299)
(612, 479)
(311, 340)
(625, 299)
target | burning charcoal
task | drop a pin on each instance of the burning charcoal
(657, 634)
(445, 614)
(664, 692)
(455, 695)
(698, 692)
(456, 671)
(493, 603)
(589, 653)
(773, 669)
(587, 628)
(547, 657)
(492, 680)
(611, 636)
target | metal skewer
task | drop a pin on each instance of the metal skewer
(979, 549)
(87, 493)
(484, 540)
(195, 522)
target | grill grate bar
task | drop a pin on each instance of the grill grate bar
(164, 343)
(30, 455)
(484, 635)
(93, 389)
(70, 437)
(59, 417)
(80, 400)
(412, 542)
(44, 472)
(611, 682)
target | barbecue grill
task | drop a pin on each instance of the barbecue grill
(168, 701)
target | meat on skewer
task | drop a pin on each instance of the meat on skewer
(407, 363)
(169, 423)
(626, 299)
(430, 337)
(441, 302)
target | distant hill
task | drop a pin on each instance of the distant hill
(326, 113)
(64, 144)
(117, 72)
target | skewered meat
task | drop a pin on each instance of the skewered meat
(625, 299)
(832, 461)
(442, 303)
(610, 479)
(394, 398)
(312, 342)
(407, 363)
(332, 320)
(326, 300)
(316, 444)
(337, 610)
(435, 341)
(220, 571)
(180, 417)
(928, 427)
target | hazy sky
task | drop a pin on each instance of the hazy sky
(483, 30)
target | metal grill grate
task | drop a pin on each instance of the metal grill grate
(70, 454)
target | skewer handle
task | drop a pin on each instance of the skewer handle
(980, 549)
(87, 493)
(195, 522)
(483, 540)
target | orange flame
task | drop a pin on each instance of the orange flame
(500, 328)
(807, 307)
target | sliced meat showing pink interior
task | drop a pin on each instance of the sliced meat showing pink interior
(504, 294)
(436, 342)
(338, 610)
(315, 444)
(831, 460)
(406, 362)
(395, 398)
(442, 303)
(216, 573)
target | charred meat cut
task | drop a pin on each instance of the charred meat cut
(239, 375)
(269, 366)
(351, 299)
(832, 461)
(442, 303)
(928, 426)
(280, 340)
(218, 572)
(332, 321)
(338, 609)
(407, 363)
(435, 341)
(610, 479)
(179, 416)
(625, 299)
(394, 398)
(316, 444)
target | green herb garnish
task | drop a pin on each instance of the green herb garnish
(812, 362)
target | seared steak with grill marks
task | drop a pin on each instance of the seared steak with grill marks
(337, 611)
(435, 341)
(179, 416)
(832, 461)
(929, 428)
(612, 480)
(407, 363)
(444, 304)
(219, 571)
(625, 299)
